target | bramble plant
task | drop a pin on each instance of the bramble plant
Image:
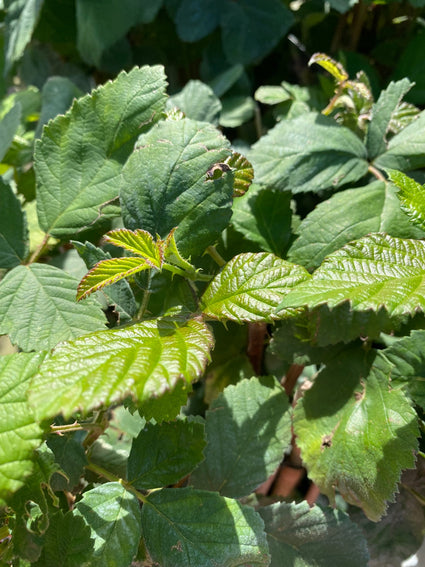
(182, 316)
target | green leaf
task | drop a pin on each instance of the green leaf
(250, 287)
(165, 184)
(237, 109)
(330, 65)
(101, 24)
(184, 527)
(166, 406)
(57, 96)
(67, 542)
(264, 217)
(336, 222)
(373, 272)
(407, 356)
(38, 308)
(194, 20)
(271, 94)
(140, 242)
(198, 102)
(113, 515)
(243, 173)
(252, 28)
(312, 537)
(411, 195)
(308, 153)
(20, 434)
(382, 112)
(9, 125)
(143, 360)
(406, 150)
(164, 453)
(108, 272)
(101, 128)
(248, 429)
(355, 432)
(409, 63)
(13, 229)
(119, 294)
(21, 19)
(70, 456)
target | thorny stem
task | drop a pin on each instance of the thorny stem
(219, 260)
(61, 429)
(114, 478)
(372, 169)
(100, 424)
(39, 250)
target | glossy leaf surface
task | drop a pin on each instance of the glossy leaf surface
(411, 195)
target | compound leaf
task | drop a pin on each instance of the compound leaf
(250, 287)
(100, 129)
(336, 222)
(143, 360)
(411, 195)
(248, 429)
(38, 308)
(312, 537)
(184, 527)
(356, 434)
(373, 272)
(165, 184)
(13, 229)
(308, 153)
(163, 453)
(113, 515)
(19, 433)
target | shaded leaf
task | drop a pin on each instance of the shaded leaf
(13, 229)
(411, 195)
(248, 429)
(163, 453)
(195, 20)
(70, 456)
(308, 153)
(143, 360)
(184, 527)
(312, 537)
(9, 125)
(264, 216)
(373, 272)
(356, 434)
(166, 406)
(164, 184)
(57, 96)
(113, 515)
(250, 287)
(101, 128)
(21, 19)
(38, 308)
(336, 222)
(198, 102)
(20, 434)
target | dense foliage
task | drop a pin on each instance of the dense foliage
(212, 279)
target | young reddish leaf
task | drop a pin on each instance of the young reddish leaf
(243, 173)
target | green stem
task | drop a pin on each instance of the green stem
(218, 259)
(39, 250)
(59, 429)
(115, 478)
(372, 169)
(145, 300)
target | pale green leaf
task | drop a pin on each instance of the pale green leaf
(164, 184)
(411, 195)
(272, 94)
(248, 429)
(13, 229)
(56, 97)
(21, 19)
(355, 432)
(108, 272)
(264, 216)
(9, 125)
(336, 222)
(143, 361)
(373, 272)
(198, 101)
(406, 150)
(312, 537)
(250, 287)
(101, 128)
(113, 515)
(164, 453)
(252, 28)
(184, 527)
(174, 259)
(19, 433)
(308, 153)
(67, 542)
(237, 109)
(330, 65)
(381, 116)
(139, 241)
(38, 307)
